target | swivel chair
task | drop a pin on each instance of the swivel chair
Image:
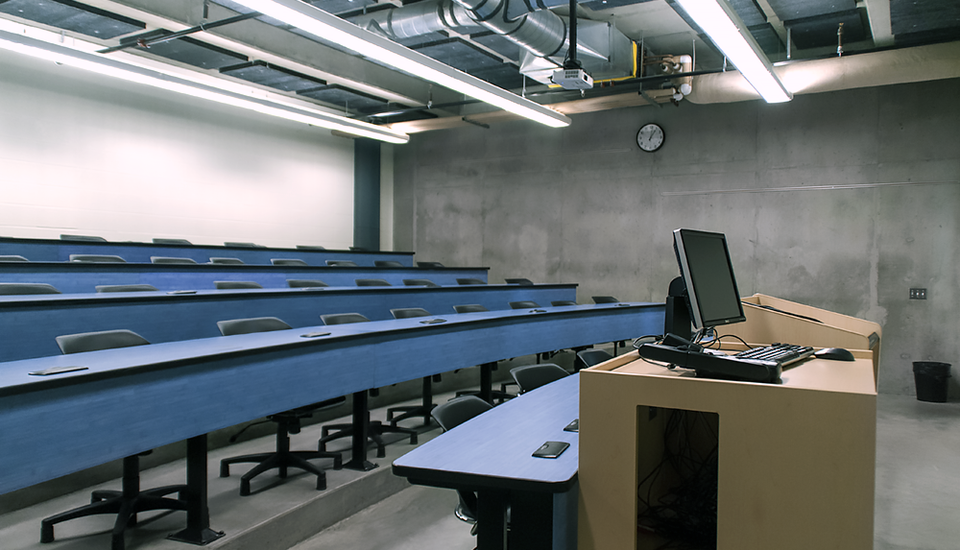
(375, 429)
(243, 245)
(450, 415)
(341, 263)
(160, 240)
(531, 377)
(84, 238)
(470, 281)
(288, 262)
(524, 304)
(420, 282)
(519, 281)
(387, 263)
(12, 258)
(126, 288)
(305, 283)
(556, 303)
(288, 422)
(236, 285)
(226, 261)
(429, 264)
(589, 358)
(171, 260)
(97, 258)
(486, 369)
(426, 404)
(371, 282)
(610, 300)
(129, 501)
(310, 247)
(10, 289)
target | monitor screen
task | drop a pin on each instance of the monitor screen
(708, 275)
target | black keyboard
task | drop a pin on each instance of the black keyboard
(764, 365)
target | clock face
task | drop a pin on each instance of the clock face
(650, 137)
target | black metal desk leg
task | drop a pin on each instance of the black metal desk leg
(486, 382)
(491, 520)
(198, 515)
(361, 425)
(531, 521)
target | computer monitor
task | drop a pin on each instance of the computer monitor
(707, 273)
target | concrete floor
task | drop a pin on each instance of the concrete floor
(917, 500)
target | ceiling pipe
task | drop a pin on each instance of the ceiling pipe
(882, 68)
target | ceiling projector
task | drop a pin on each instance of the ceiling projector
(572, 79)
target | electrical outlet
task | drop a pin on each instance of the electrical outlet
(918, 294)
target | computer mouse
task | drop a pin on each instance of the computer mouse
(834, 354)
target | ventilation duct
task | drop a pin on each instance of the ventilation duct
(541, 35)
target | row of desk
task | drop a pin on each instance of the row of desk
(134, 399)
(29, 324)
(79, 277)
(53, 250)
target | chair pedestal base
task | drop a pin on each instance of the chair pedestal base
(126, 504)
(361, 431)
(282, 459)
(413, 411)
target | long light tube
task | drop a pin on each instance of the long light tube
(110, 67)
(338, 31)
(728, 32)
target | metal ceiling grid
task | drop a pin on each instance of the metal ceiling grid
(788, 10)
(597, 5)
(345, 98)
(459, 54)
(265, 74)
(938, 19)
(498, 44)
(814, 32)
(71, 16)
(196, 53)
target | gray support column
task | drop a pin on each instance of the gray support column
(366, 194)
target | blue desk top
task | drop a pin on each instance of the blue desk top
(54, 250)
(133, 399)
(77, 277)
(494, 450)
(29, 324)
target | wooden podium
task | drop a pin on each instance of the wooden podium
(796, 460)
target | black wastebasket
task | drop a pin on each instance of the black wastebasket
(931, 379)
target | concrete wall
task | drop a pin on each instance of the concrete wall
(84, 153)
(841, 200)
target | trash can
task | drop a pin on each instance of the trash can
(931, 379)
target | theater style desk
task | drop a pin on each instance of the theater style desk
(795, 460)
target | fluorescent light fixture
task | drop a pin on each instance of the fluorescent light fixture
(100, 64)
(338, 31)
(728, 32)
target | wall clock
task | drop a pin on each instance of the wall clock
(650, 137)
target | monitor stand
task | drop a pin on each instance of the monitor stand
(677, 316)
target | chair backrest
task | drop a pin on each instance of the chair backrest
(341, 263)
(342, 318)
(104, 339)
(157, 240)
(12, 258)
(409, 312)
(97, 258)
(605, 300)
(371, 282)
(429, 264)
(563, 303)
(11, 289)
(457, 411)
(387, 263)
(226, 261)
(310, 247)
(253, 324)
(470, 281)
(85, 238)
(305, 283)
(420, 282)
(532, 377)
(523, 304)
(233, 285)
(590, 357)
(126, 288)
(288, 261)
(171, 260)
(519, 281)
(243, 245)
(469, 308)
